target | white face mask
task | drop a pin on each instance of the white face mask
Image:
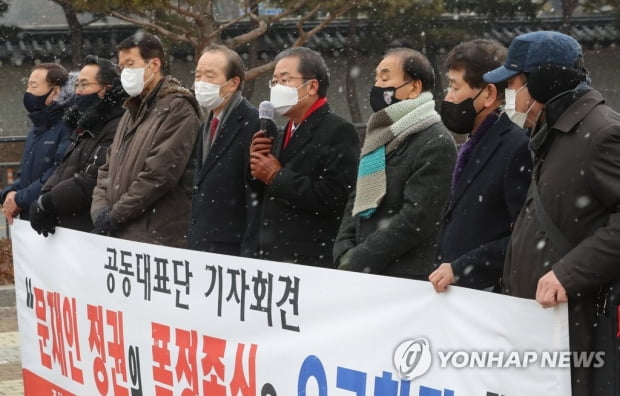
(132, 80)
(511, 107)
(208, 94)
(284, 98)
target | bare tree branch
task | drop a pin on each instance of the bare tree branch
(568, 9)
(156, 28)
(303, 37)
(303, 19)
(92, 21)
(206, 29)
(185, 12)
(199, 18)
(257, 71)
(312, 12)
(294, 8)
(137, 12)
(226, 25)
(248, 37)
(263, 26)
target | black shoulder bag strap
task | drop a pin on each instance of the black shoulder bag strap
(556, 236)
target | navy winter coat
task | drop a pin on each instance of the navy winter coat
(45, 147)
(477, 222)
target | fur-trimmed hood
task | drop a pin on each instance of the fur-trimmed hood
(167, 86)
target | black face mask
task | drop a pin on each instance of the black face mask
(34, 103)
(85, 102)
(380, 98)
(460, 117)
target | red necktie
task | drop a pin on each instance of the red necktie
(289, 133)
(214, 123)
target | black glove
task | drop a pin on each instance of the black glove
(42, 215)
(105, 223)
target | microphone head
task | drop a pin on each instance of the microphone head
(266, 110)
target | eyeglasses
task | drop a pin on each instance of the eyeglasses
(132, 65)
(83, 85)
(284, 81)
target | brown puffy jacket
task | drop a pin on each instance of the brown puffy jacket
(147, 179)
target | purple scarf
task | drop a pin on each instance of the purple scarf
(467, 147)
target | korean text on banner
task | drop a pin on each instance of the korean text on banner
(104, 316)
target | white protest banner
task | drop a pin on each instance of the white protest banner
(104, 316)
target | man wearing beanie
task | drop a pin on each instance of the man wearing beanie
(565, 246)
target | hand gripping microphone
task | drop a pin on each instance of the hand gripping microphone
(265, 113)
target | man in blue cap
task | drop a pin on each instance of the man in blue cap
(565, 246)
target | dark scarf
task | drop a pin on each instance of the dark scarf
(44, 119)
(468, 147)
(97, 116)
(553, 111)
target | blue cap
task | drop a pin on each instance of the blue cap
(530, 50)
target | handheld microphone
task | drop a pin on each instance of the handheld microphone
(266, 112)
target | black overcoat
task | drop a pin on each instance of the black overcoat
(301, 209)
(221, 195)
(487, 198)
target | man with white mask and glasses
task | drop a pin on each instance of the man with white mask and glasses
(143, 191)
(307, 172)
(565, 245)
(221, 197)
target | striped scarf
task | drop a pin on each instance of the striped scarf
(386, 129)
